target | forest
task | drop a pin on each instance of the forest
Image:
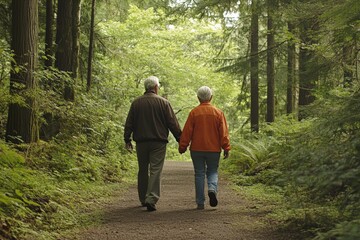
(285, 73)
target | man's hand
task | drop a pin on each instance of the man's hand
(226, 154)
(129, 146)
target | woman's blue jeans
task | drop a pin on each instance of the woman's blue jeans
(205, 163)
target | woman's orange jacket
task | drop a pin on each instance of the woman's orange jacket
(206, 129)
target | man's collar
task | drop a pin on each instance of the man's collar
(150, 91)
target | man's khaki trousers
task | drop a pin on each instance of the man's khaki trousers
(151, 156)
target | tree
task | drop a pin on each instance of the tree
(254, 67)
(291, 58)
(49, 33)
(76, 10)
(346, 16)
(308, 71)
(270, 114)
(91, 47)
(22, 121)
(64, 42)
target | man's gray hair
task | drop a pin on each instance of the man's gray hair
(151, 82)
(204, 93)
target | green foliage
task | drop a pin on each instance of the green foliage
(325, 156)
(314, 163)
(9, 158)
(43, 195)
(179, 54)
(5, 60)
(347, 230)
(47, 184)
(254, 159)
(246, 156)
(322, 166)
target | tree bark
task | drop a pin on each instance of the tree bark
(49, 33)
(76, 10)
(308, 71)
(254, 68)
(22, 123)
(270, 114)
(290, 72)
(91, 47)
(64, 42)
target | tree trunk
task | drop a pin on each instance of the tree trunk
(64, 42)
(76, 35)
(308, 71)
(254, 68)
(22, 122)
(49, 33)
(270, 114)
(290, 72)
(91, 47)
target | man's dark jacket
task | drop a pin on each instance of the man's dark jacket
(150, 118)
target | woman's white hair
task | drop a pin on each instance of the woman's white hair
(204, 93)
(151, 82)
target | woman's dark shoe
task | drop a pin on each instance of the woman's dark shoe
(213, 199)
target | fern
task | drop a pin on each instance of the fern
(8, 157)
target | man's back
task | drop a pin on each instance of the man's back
(150, 118)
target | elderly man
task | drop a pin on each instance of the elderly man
(149, 120)
(207, 130)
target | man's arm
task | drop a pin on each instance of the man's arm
(128, 128)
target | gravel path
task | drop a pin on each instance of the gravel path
(177, 218)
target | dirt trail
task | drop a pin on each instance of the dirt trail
(177, 218)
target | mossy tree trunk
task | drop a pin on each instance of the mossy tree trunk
(22, 124)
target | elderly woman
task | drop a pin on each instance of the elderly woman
(207, 133)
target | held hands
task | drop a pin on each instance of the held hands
(129, 146)
(181, 150)
(226, 153)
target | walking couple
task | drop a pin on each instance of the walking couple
(148, 122)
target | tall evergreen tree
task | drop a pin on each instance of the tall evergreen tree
(76, 13)
(64, 42)
(309, 66)
(291, 60)
(91, 47)
(22, 122)
(308, 70)
(270, 114)
(49, 33)
(254, 67)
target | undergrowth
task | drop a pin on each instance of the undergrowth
(312, 164)
(46, 186)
